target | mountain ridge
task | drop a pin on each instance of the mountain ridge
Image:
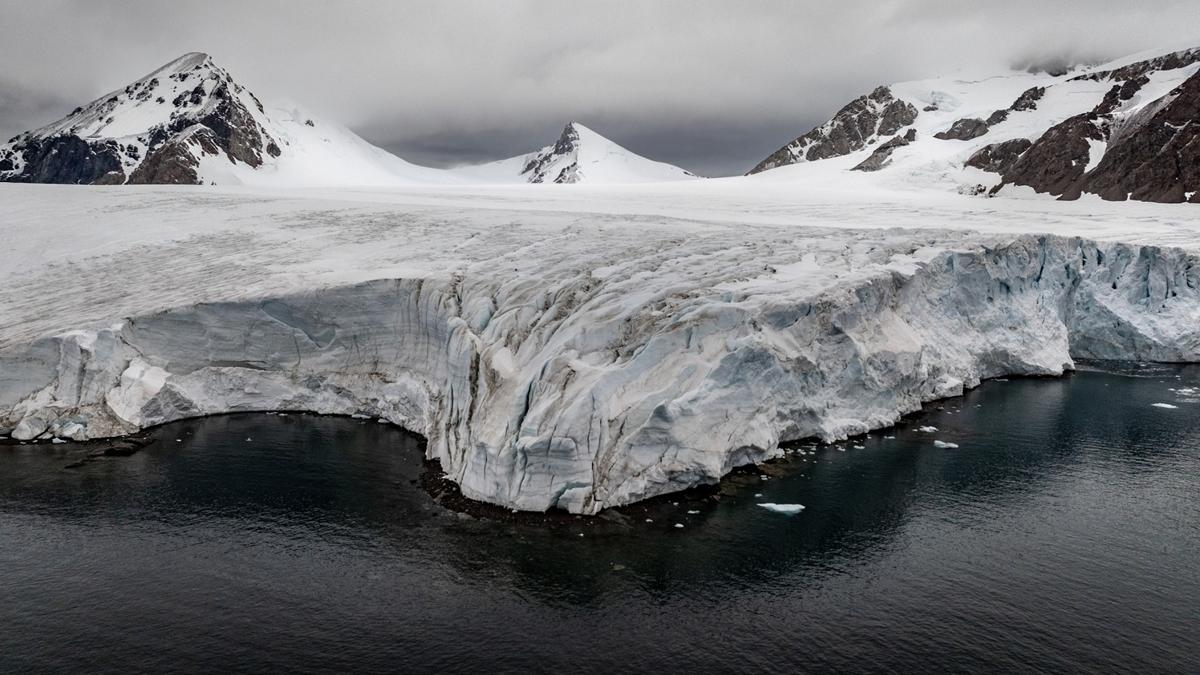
(1125, 129)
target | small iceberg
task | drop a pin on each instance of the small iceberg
(1165, 405)
(928, 430)
(944, 444)
(788, 509)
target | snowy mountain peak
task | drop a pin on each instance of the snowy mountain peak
(1127, 129)
(580, 155)
(190, 122)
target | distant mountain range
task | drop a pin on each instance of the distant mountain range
(189, 122)
(1128, 129)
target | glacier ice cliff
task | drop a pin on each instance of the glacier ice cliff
(585, 385)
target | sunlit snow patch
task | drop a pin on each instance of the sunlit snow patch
(787, 509)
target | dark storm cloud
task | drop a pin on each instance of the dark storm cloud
(712, 86)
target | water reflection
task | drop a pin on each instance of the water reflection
(1065, 498)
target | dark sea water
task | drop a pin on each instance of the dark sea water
(1062, 535)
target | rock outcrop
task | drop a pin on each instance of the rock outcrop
(999, 157)
(1152, 154)
(882, 155)
(870, 117)
(963, 130)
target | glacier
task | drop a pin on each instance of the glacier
(555, 359)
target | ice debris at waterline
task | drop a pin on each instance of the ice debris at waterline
(788, 509)
(556, 365)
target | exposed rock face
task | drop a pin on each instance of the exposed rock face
(149, 132)
(999, 157)
(875, 115)
(1028, 99)
(60, 159)
(538, 392)
(1153, 155)
(883, 154)
(963, 130)
(542, 166)
(1056, 162)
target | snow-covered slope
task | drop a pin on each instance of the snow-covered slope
(580, 155)
(1125, 129)
(190, 122)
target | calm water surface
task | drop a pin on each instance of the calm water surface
(1063, 534)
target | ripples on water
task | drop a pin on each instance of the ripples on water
(1064, 534)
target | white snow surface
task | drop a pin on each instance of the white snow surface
(578, 348)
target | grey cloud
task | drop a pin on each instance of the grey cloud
(712, 86)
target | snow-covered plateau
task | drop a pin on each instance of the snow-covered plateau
(581, 347)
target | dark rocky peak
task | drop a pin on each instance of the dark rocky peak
(865, 119)
(556, 163)
(189, 106)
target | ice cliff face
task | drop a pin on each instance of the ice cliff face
(599, 381)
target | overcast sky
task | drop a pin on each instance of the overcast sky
(711, 86)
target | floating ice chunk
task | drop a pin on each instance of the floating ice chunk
(57, 440)
(889, 438)
(927, 429)
(1165, 405)
(757, 495)
(944, 444)
(679, 525)
(858, 447)
(692, 512)
(788, 509)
